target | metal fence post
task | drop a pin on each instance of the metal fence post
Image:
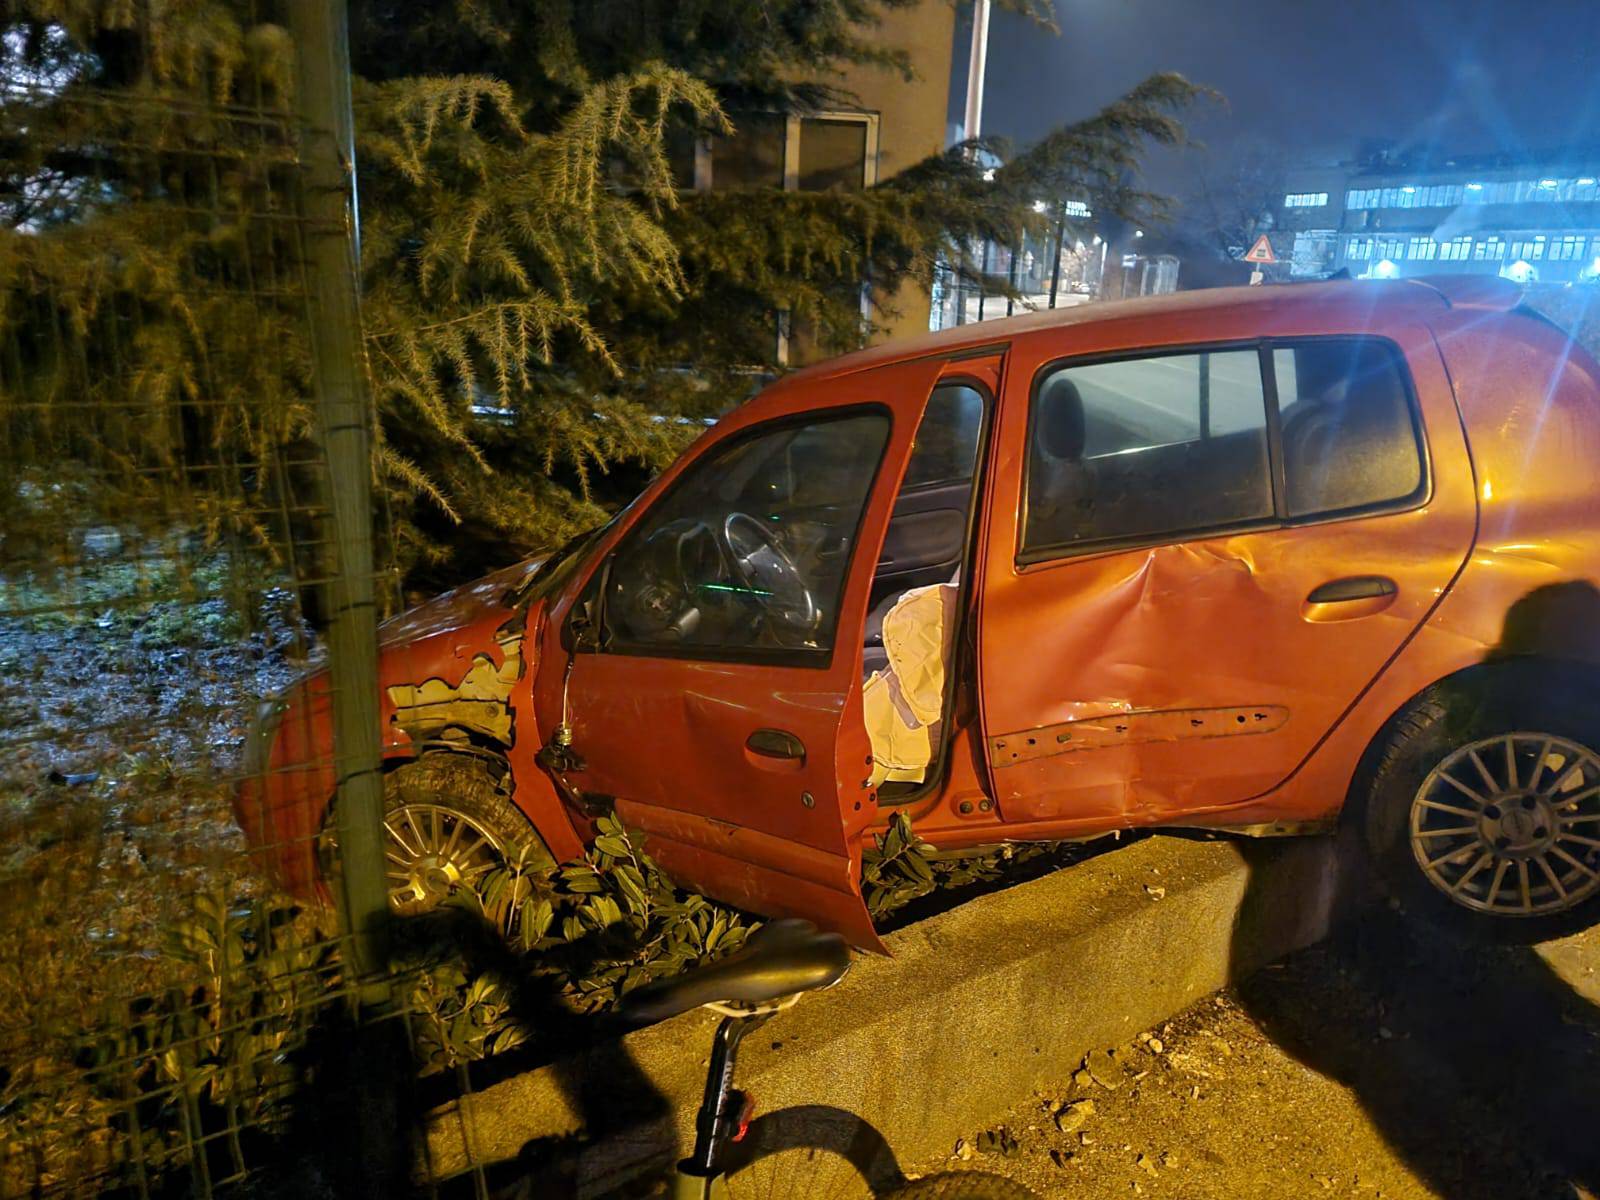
(321, 36)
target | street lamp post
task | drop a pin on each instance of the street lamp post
(1055, 272)
(976, 63)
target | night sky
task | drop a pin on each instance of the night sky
(1310, 79)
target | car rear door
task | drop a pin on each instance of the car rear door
(732, 734)
(1173, 618)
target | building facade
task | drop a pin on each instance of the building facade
(1528, 218)
(891, 123)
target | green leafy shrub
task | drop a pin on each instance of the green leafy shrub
(900, 867)
(585, 936)
(183, 1068)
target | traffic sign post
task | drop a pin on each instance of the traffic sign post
(1260, 255)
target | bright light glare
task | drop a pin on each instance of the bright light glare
(1547, 183)
(1138, 233)
(1519, 271)
(1038, 206)
(1586, 181)
(1408, 190)
(988, 176)
(1096, 239)
(1386, 270)
(1474, 187)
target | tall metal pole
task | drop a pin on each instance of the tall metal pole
(1055, 273)
(345, 417)
(1011, 277)
(983, 278)
(971, 127)
(976, 62)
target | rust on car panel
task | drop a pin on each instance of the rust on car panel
(1165, 725)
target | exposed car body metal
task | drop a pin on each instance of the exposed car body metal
(1232, 681)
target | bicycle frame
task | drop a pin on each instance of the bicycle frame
(722, 1113)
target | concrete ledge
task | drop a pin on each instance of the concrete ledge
(976, 1007)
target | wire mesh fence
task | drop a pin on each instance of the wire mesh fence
(173, 970)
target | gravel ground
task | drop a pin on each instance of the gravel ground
(1380, 1064)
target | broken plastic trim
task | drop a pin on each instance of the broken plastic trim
(1122, 729)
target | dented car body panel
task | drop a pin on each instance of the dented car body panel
(1112, 666)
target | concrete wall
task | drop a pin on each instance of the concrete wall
(976, 1007)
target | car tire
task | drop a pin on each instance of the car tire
(448, 823)
(1480, 804)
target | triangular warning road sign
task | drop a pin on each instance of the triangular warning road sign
(1261, 252)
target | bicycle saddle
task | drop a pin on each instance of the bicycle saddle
(779, 959)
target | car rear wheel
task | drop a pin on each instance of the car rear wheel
(448, 825)
(1483, 810)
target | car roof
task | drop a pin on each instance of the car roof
(1368, 301)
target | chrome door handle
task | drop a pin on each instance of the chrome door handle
(1353, 587)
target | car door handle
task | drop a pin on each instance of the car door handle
(776, 743)
(1349, 598)
(1354, 587)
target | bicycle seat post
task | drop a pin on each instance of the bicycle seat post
(716, 1124)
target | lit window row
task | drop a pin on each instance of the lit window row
(1305, 200)
(1583, 189)
(1556, 248)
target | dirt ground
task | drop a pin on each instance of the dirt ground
(1382, 1064)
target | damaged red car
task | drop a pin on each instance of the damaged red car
(1259, 560)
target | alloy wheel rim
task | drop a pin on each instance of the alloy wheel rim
(1510, 825)
(432, 850)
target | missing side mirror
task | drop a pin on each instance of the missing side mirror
(581, 632)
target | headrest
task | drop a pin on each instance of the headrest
(1059, 427)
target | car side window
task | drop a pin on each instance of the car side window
(1148, 446)
(747, 553)
(1349, 440)
(946, 449)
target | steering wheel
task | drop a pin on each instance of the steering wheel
(763, 565)
(692, 577)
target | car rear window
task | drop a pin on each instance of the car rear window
(1139, 447)
(1177, 443)
(1349, 439)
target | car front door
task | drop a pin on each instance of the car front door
(720, 707)
(1214, 552)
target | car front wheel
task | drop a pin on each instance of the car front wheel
(1483, 810)
(448, 824)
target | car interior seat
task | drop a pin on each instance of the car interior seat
(1346, 446)
(1059, 490)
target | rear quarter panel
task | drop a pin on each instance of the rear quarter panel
(1529, 401)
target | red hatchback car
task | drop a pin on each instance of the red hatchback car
(1245, 560)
